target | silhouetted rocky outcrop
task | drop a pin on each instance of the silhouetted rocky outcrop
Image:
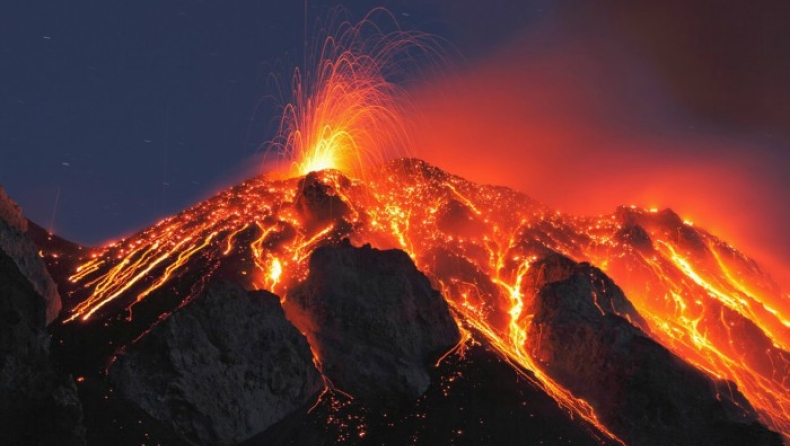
(221, 369)
(38, 405)
(477, 399)
(646, 395)
(226, 367)
(25, 254)
(374, 321)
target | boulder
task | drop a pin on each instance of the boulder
(374, 321)
(38, 405)
(318, 201)
(220, 369)
(581, 336)
(16, 244)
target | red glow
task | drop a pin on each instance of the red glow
(567, 120)
(705, 301)
(345, 111)
(532, 126)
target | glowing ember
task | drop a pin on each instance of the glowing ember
(703, 300)
(345, 114)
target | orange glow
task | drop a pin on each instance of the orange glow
(705, 301)
(563, 117)
(275, 272)
(345, 112)
(702, 299)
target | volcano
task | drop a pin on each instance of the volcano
(409, 306)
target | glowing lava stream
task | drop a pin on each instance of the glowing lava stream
(703, 300)
(698, 309)
(414, 207)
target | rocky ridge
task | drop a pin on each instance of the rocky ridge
(224, 367)
(373, 320)
(584, 333)
(16, 244)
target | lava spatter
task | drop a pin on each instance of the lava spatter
(700, 298)
(690, 301)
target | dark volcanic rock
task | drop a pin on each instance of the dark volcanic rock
(477, 399)
(11, 212)
(374, 321)
(38, 406)
(606, 297)
(61, 257)
(459, 219)
(635, 236)
(318, 202)
(641, 391)
(221, 369)
(16, 244)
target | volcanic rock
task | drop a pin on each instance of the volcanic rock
(478, 400)
(38, 406)
(646, 395)
(635, 236)
(16, 244)
(459, 219)
(11, 212)
(374, 321)
(318, 201)
(665, 222)
(607, 297)
(489, 298)
(221, 369)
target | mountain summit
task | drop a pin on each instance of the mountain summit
(436, 310)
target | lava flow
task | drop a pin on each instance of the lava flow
(705, 301)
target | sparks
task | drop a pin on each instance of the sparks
(703, 300)
(346, 112)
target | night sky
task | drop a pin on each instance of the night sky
(115, 114)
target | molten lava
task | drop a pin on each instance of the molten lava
(345, 113)
(703, 300)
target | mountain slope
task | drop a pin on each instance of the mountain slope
(694, 294)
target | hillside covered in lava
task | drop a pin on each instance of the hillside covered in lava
(407, 307)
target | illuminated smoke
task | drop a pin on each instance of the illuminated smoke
(575, 114)
(477, 243)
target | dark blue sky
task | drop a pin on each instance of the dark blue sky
(103, 102)
(124, 112)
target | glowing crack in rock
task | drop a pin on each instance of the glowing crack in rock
(702, 299)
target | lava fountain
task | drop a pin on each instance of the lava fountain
(346, 112)
(705, 301)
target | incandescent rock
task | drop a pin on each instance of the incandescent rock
(38, 406)
(16, 244)
(221, 369)
(641, 391)
(374, 321)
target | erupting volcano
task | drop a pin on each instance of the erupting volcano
(691, 292)
(641, 327)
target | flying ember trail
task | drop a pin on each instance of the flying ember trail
(702, 299)
(346, 112)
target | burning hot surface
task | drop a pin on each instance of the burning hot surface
(702, 299)
(697, 296)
